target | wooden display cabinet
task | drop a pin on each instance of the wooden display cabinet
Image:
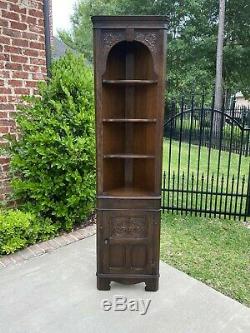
(129, 53)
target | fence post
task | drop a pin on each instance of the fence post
(248, 195)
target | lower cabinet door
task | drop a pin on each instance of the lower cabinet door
(130, 241)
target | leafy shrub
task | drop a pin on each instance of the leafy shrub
(19, 229)
(53, 162)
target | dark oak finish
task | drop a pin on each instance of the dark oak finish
(129, 120)
(129, 53)
(130, 82)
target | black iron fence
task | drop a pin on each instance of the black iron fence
(206, 160)
(232, 120)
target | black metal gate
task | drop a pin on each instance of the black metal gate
(206, 160)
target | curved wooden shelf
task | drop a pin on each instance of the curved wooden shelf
(129, 120)
(128, 156)
(129, 82)
(128, 192)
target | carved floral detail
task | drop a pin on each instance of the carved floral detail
(112, 37)
(148, 38)
(128, 227)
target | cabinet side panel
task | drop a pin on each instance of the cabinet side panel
(160, 106)
(98, 107)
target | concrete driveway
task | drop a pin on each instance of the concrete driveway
(56, 293)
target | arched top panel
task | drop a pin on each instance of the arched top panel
(129, 60)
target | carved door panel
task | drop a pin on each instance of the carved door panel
(127, 241)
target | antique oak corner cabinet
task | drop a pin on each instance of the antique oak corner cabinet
(129, 54)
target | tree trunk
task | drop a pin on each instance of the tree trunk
(219, 58)
(218, 99)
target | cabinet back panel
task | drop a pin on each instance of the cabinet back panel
(113, 102)
(142, 58)
(113, 138)
(129, 138)
(144, 171)
(113, 174)
(146, 102)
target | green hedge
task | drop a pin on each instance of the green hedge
(19, 229)
(53, 162)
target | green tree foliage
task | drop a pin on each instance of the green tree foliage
(80, 37)
(53, 162)
(191, 39)
(237, 46)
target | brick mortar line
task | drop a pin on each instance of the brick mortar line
(46, 247)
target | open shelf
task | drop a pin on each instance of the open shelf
(129, 82)
(129, 120)
(129, 97)
(122, 139)
(128, 192)
(128, 156)
(128, 175)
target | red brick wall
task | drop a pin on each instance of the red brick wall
(22, 64)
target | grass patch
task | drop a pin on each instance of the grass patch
(194, 153)
(213, 251)
(215, 179)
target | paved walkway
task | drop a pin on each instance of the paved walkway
(56, 293)
(42, 248)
